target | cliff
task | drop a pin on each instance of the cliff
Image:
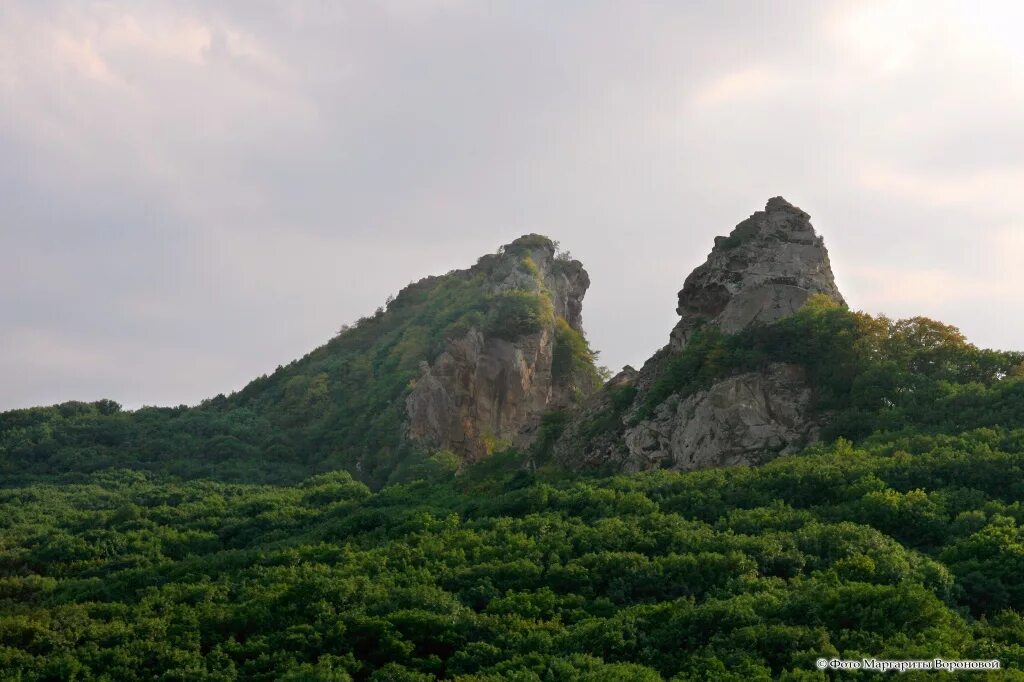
(490, 385)
(768, 267)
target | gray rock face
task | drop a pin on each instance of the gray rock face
(483, 390)
(739, 420)
(766, 269)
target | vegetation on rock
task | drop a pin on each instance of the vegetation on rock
(868, 373)
(574, 363)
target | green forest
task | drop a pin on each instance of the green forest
(902, 548)
(237, 540)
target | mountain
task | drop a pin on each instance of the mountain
(465, 363)
(766, 359)
(452, 369)
(439, 493)
(765, 270)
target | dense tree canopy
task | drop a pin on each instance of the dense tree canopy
(908, 548)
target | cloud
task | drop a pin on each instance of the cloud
(987, 188)
(203, 191)
(737, 86)
(80, 55)
(38, 350)
(898, 286)
(962, 297)
(182, 38)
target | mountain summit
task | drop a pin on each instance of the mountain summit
(492, 359)
(766, 269)
(494, 379)
(451, 369)
(682, 410)
(465, 362)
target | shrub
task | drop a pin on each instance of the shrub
(572, 362)
(517, 313)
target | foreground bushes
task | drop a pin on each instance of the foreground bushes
(890, 551)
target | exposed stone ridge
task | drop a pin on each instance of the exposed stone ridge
(743, 419)
(486, 389)
(766, 269)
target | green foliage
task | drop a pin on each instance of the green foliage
(518, 312)
(498, 574)
(702, 361)
(552, 425)
(530, 266)
(869, 373)
(609, 421)
(573, 361)
(529, 242)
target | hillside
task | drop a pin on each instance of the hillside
(767, 359)
(450, 369)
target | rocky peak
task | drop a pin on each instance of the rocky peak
(533, 263)
(490, 385)
(766, 269)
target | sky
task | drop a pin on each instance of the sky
(194, 192)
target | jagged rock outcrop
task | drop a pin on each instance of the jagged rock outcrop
(737, 421)
(766, 269)
(491, 385)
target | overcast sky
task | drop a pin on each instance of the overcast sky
(193, 192)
